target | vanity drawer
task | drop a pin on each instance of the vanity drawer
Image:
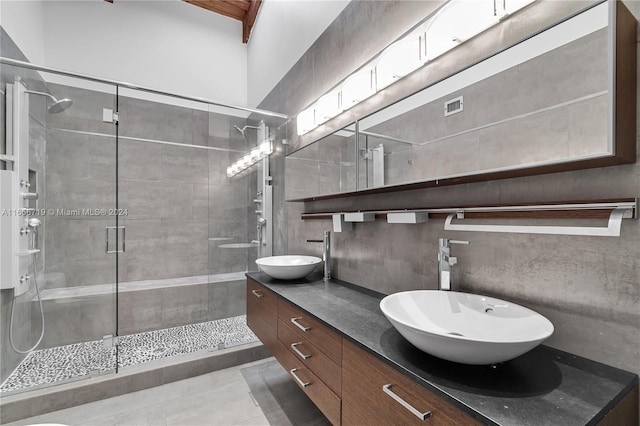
(323, 338)
(321, 365)
(327, 401)
(262, 315)
(365, 401)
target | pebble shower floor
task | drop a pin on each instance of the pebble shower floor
(65, 363)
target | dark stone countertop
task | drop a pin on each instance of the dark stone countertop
(545, 386)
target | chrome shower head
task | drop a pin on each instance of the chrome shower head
(58, 105)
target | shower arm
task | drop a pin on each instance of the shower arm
(49, 95)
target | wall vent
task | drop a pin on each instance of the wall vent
(453, 106)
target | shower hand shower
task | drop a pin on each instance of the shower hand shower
(58, 105)
(34, 224)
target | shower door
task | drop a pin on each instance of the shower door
(65, 177)
(82, 236)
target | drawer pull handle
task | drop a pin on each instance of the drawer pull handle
(257, 294)
(422, 416)
(294, 346)
(295, 376)
(300, 326)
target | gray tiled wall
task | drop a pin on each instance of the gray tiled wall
(589, 287)
(25, 332)
(176, 197)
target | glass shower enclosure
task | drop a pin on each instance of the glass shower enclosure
(124, 238)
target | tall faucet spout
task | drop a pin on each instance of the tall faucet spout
(446, 261)
(326, 253)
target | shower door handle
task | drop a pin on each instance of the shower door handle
(107, 239)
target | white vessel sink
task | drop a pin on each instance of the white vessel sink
(288, 267)
(463, 327)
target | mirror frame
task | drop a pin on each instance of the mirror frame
(622, 128)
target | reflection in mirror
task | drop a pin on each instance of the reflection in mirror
(543, 101)
(371, 159)
(325, 167)
(552, 102)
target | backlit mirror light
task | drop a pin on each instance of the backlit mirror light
(263, 150)
(511, 6)
(358, 87)
(401, 58)
(459, 21)
(454, 23)
(328, 106)
(306, 120)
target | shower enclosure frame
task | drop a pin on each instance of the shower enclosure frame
(119, 243)
(118, 84)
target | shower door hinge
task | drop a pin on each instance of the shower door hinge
(109, 116)
(120, 240)
(109, 341)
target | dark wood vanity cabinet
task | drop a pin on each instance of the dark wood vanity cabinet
(376, 394)
(262, 314)
(344, 381)
(350, 385)
(308, 350)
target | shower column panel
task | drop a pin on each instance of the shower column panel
(264, 185)
(14, 243)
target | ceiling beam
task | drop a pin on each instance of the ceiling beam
(225, 8)
(242, 4)
(250, 19)
(245, 11)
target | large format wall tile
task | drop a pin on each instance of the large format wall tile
(175, 197)
(71, 322)
(588, 287)
(139, 160)
(227, 299)
(180, 306)
(180, 164)
(153, 120)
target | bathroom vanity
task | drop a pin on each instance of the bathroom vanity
(336, 344)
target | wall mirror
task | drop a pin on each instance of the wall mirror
(323, 168)
(560, 100)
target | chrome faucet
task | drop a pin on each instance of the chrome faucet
(445, 262)
(326, 253)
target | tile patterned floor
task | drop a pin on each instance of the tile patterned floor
(65, 363)
(255, 394)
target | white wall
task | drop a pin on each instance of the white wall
(284, 30)
(170, 45)
(24, 22)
